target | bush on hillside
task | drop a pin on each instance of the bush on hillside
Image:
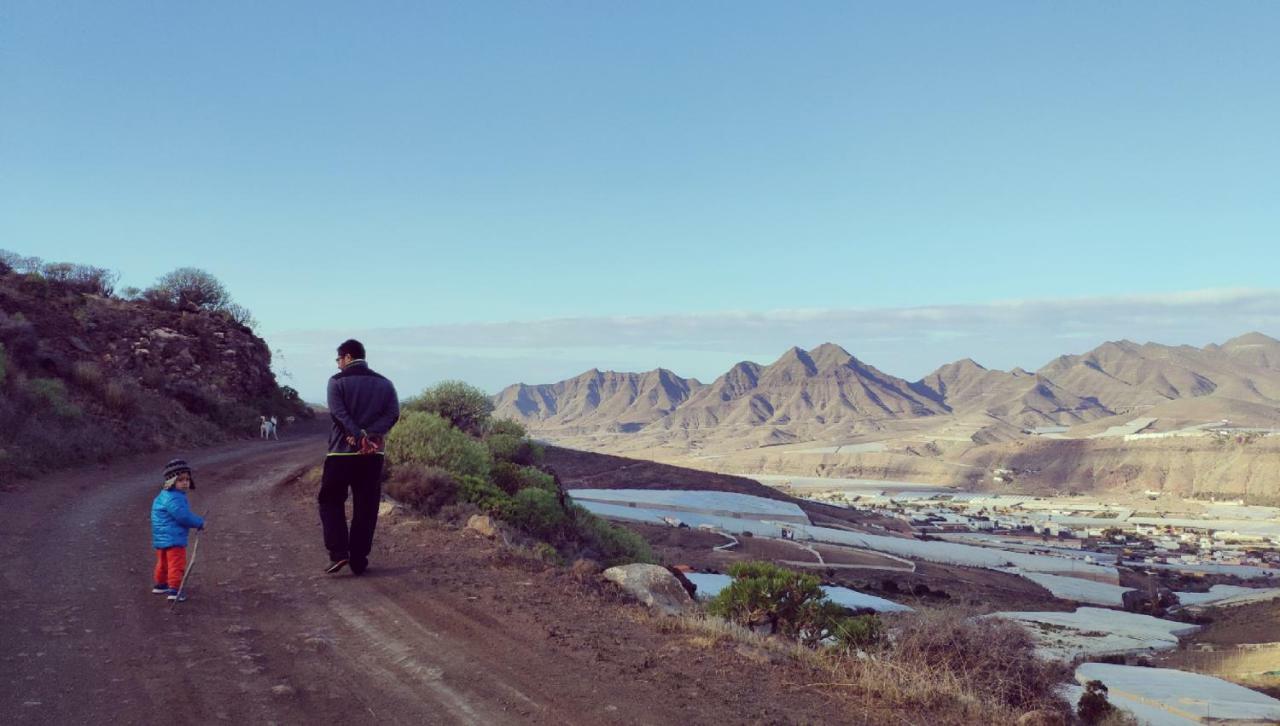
(240, 315)
(82, 278)
(19, 263)
(1094, 706)
(52, 392)
(779, 601)
(120, 396)
(612, 544)
(507, 427)
(511, 478)
(188, 287)
(425, 488)
(87, 375)
(514, 449)
(861, 632)
(427, 439)
(463, 405)
(538, 512)
(993, 656)
(481, 492)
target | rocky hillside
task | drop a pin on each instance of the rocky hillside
(600, 399)
(1125, 377)
(86, 376)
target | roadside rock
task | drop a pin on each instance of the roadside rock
(652, 585)
(483, 524)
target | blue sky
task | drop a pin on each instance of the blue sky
(346, 169)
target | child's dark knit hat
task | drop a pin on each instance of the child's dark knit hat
(173, 469)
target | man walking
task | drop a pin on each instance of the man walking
(364, 407)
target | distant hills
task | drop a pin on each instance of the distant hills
(827, 393)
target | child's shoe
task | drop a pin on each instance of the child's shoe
(160, 588)
(176, 596)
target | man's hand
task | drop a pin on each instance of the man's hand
(371, 443)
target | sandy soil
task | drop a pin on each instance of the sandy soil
(445, 627)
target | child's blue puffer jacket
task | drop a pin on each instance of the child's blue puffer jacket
(171, 517)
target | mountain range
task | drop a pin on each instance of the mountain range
(827, 393)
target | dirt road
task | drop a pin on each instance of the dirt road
(443, 629)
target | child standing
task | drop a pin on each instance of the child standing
(171, 517)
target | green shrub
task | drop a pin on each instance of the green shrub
(548, 554)
(1094, 705)
(427, 439)
(483, 494)
(506, 476)
(784, 602)
(860, 632)
(507, 447)
(538, 512)
(614, 545)
(425, 488)
(52, 392)
(535, 478)
(508, 427)
(463, 405)
(511, 478)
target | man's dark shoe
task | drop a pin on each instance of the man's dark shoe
(335, 566)
(359, 566)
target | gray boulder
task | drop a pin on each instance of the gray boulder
(652, 585)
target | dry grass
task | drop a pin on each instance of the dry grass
(710, 631)
(942, 667)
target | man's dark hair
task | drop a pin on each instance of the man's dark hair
(353, 348)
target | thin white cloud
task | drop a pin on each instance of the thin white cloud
(907, 342)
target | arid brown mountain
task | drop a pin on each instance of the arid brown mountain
(823, 387)
(1017, 397)
(828, 394)
(823, 412)
(1126, 377)
(598, 399)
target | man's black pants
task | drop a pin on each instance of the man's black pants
(363, 476)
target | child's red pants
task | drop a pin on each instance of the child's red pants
(171, 562)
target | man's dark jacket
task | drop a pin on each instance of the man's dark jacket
(360, 402)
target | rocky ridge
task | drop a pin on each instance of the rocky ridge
(810, 393)
(102, 376)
